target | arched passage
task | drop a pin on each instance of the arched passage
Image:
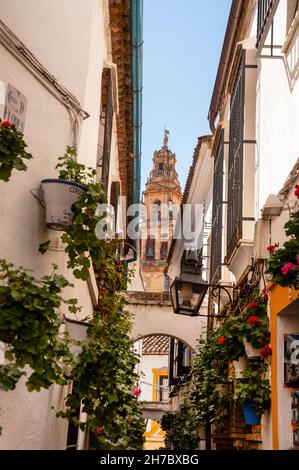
(153, 315)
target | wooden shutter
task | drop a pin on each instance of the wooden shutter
(235, 165)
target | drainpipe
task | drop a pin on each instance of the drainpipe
(136, 8)
(136, 12)
(229, 40)
(136, 63)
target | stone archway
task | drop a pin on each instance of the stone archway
(153, 315)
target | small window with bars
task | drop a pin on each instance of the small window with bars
(216, 237)
(235, 164)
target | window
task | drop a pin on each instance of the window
(163, 388)
(160, 166)
(180, 356)
(291, 359)
(235, 164)
(150, 248)
(163, 250)
(216, 237)
(156, 211)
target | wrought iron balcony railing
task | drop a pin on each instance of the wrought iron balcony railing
(266, 11)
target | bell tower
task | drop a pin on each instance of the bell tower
(161, 196)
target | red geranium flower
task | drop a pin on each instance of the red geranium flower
(296, 192)
(271, 248)
(136, 392)
(266, 351)
(253, 320)
(251, 305)
(5, 123)
(100, 431)
(221, 340)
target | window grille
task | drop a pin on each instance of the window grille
(216, 237)
(107, 133)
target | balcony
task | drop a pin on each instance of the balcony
(153, 264)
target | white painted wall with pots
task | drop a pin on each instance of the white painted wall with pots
(70, 39)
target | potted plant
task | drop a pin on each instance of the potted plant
(256, 328)
(12, 150)
(62, 194)
(283, 265)
(81, 239)
(253, 392)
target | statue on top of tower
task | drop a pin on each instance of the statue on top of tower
(165, 140)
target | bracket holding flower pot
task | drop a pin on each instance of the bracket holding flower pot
(251, 352)
(38, 195)
(60, 197)
(240, 366)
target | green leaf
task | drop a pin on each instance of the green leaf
(43, 247)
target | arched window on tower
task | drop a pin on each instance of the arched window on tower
(156, 211)
(150, 248)
(163, 250)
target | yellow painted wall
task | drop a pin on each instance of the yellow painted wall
(280, 299)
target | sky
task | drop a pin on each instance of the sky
(182, 46)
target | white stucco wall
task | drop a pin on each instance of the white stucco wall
(149, 362)
(277, 120)
(70, 39)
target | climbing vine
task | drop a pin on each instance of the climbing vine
(29, 326)
(105, 377)
(181, 428)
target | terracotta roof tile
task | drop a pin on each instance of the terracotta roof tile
(157, 344)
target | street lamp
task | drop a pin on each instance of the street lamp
(188, 290)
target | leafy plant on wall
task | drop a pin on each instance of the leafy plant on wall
(213, 385)
(12, 150)
(283, 265)
(29, 326)
(82, 245)
(181, 428)
(105, 377)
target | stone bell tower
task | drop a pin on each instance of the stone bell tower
(161, 197)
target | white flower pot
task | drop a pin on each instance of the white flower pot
(251, 352)
(60, 197)
(77, 331)
(240, 366)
